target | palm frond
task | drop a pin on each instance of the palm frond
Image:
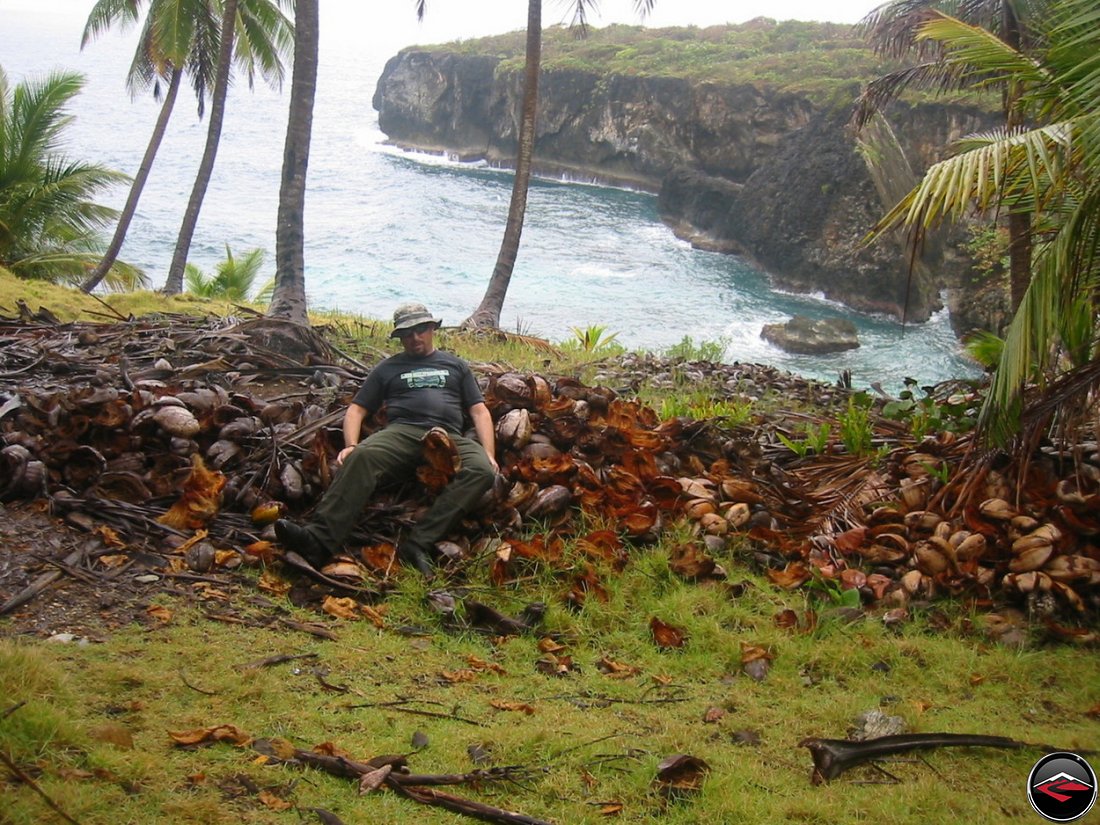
(1066, 273)
(884, 90)
(978, 53)
(982, 176)
(107, 14)
(890, 27)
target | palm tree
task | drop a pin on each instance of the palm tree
(488, 311)
(487, 314)
(1053, 171)
(892, 30)
(172, 38)
(48, 223)
(289, 299)
(265, 37)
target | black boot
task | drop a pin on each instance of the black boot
(297, 538)
(413, 556)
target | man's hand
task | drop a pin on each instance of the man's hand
(483, 425)
(353, 427)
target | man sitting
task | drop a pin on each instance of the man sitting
(420, 388)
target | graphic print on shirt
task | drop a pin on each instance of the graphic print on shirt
(424, 377)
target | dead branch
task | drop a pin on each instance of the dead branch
(275, 660)
(12, 709)
(834, 756)
(292, 559)
(459, 805)
(183, 678)
(414, 786)
(30, 783)
(311, 628)
(400, 706)
(326, 817)
(41, 583)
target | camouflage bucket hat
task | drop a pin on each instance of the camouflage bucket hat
(408, 316)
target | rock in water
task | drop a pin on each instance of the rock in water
(806, 336)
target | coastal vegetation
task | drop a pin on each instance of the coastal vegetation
(49, 219)
(233, 279)
(826, 62)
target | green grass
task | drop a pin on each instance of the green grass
(823, 62)
(93, 730)
(591, 738)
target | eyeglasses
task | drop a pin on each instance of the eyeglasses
(417, 330)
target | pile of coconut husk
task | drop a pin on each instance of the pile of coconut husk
(188, 437)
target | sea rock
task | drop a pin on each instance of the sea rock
(809, 337)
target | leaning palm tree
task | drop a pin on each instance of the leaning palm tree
(892, 29)
(175, 38)
(1052, 170)
(265, 38)
(487, 314)
(49, 224)
(289, 298)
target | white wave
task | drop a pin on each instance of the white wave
(592, 271)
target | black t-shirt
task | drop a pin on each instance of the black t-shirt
(428, 391)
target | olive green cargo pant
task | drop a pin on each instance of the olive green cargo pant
(389, 455)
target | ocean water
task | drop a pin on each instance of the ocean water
(384, 226)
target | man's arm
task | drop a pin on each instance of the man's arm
(483, 425)
(353, 429)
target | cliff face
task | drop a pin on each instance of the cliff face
(618, 129)
(767, 175)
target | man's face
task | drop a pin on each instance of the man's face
(418, 340)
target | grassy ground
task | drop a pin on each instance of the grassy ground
(89, 725)
(94, 729)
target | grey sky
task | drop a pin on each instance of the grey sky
(393, 23)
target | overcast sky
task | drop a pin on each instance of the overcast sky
(393, 22)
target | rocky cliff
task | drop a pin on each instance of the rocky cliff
(773, 175)
(616, 129)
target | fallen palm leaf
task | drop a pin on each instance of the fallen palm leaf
(480, 665)
(456, 676)
(616, 670)
(341, 608)
(200, 500)
(666, 635)
(690, 562)
(523, 707)
(217, 733)
(553, 665)
(273, 802)
(548, 645)
(159, 612)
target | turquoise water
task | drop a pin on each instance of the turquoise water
(384, 226)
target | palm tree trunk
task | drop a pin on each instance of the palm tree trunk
(1019, 223)
(488, 312)
(137, 186)
(289, 299)
(174, 284)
